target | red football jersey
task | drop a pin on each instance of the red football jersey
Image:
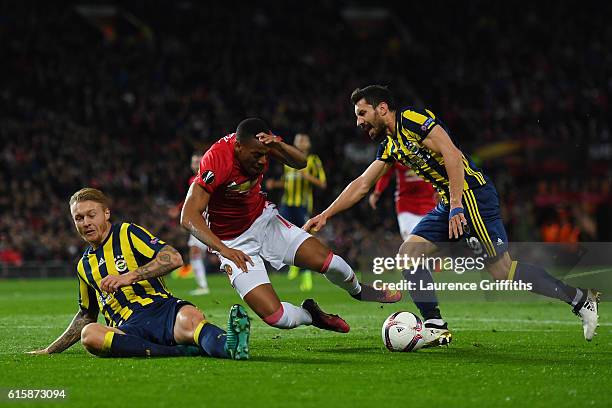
(412, 193)
(236, 198)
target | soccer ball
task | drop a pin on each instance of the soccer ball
(403, 331)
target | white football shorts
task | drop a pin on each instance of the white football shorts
(407, 221)
(270, 237)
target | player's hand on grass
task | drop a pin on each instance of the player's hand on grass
(268, 139)
(373, 200)
(238, 257)
(36, 352)
(112, 283)
(456, 221)
(315, 223)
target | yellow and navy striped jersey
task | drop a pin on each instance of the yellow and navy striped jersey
(298, 191)
(406, 146)
(127, 247)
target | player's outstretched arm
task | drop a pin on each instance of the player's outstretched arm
(191, 219)
(283, 152)
(352, 194)
(439, 141)
(70, 336)
(166, 260)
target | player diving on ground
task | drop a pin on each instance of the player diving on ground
(244, 229)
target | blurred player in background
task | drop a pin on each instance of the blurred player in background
(197, 250)
(414, 197)
(121, 275)
(297, 201)
(245, 229)
(469, 206)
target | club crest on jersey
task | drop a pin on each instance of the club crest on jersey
(120, 264)
(228, 269)
(208, 176)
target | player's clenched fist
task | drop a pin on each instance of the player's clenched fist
(315, 223)
(238, 257)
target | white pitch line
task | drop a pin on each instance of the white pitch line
(502, 330)
(565, 322)
(587, 273)
(27, 327)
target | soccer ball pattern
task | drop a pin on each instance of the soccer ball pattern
(403, 331)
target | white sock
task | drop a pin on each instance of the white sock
(200, 272)
(577, 298)
(437, 322)
(288, 317)
(341, 274)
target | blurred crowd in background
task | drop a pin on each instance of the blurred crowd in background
(119, 98)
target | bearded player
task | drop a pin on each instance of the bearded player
(469, 207)
(244, 229)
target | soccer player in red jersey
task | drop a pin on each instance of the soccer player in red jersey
(244, 229)
(414, 197)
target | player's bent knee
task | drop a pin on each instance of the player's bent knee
(500, 269)
(416, 246)
(92, 338)
(187, 320)
(312, 254)
(498, 272)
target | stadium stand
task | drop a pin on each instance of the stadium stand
(120, 103)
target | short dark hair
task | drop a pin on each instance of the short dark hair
(373, 95)
(249, 128)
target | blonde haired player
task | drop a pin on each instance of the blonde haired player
(121, 276)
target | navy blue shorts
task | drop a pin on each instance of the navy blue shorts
(485, 236)
(295, 215)
(155, 322)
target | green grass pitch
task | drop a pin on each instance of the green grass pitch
(503, 354)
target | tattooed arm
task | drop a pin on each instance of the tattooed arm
(166, 260)
(71, 335)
